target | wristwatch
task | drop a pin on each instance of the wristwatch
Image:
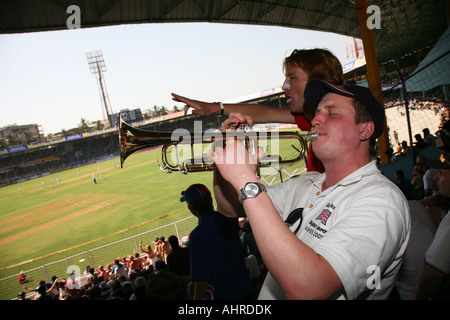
(251, 190)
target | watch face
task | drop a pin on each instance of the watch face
(251, 190)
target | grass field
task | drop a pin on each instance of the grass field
(41, 224)
(40, 220)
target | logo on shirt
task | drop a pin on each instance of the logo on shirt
(323, 216)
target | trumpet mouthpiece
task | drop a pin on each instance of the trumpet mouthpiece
(312, 135)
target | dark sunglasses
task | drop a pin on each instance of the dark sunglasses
(292, 218)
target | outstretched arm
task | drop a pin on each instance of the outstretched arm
(258, 112)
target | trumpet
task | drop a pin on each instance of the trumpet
(133, 139)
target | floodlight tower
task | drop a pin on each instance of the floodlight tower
(97, 66)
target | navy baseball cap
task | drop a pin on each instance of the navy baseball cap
(316, 89)
(195, 192)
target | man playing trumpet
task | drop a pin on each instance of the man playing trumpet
(343, 232)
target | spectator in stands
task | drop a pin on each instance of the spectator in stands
(433, 282)
(166, 286)
(353, 219)
(218, 268)
(118, 270)
(117, 290)
(405, 148)
(178, 261)
(160, 266)
(46, 294)
(134, 265)
(429, 139)
(301, 66)
(248, 239)
(140, 289)
(417, 182)
(41, 284)
(405, 185)
(399, 150)
(423, 229)
(150, 253)
(63, 291)
(102, 272)
(390, 154)
(429, 183)
(254, 271)
(420, 143)
(92, 277)
(23, 296)
(137, 256)
(162, 247)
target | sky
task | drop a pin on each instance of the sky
(45, 77)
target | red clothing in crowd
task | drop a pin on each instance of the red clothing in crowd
(312, 163)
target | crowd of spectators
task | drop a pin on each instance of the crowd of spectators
(37, 162)
(145, 275)
(161, 271)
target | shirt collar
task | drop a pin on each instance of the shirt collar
(366, 170)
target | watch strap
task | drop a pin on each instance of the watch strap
(243, 195)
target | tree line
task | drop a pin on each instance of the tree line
(25, 137)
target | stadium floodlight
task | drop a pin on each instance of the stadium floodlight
(97, 66)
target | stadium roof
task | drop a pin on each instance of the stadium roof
(406, 25)
(434, 69)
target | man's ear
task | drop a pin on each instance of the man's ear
(366, 130)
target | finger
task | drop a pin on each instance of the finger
(260, 154)
(176, 97)
(238, 117)
(216, 155)
(227, 124)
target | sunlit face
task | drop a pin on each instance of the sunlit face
(443, 181)
(294, 88)
(334, 122)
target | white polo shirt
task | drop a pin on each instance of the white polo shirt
(360, 226)
(438, 254)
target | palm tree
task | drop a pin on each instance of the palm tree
(99, 125)
(83, 126)
(155, 111)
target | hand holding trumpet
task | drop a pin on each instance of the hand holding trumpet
(235, 163)
(236, 118)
